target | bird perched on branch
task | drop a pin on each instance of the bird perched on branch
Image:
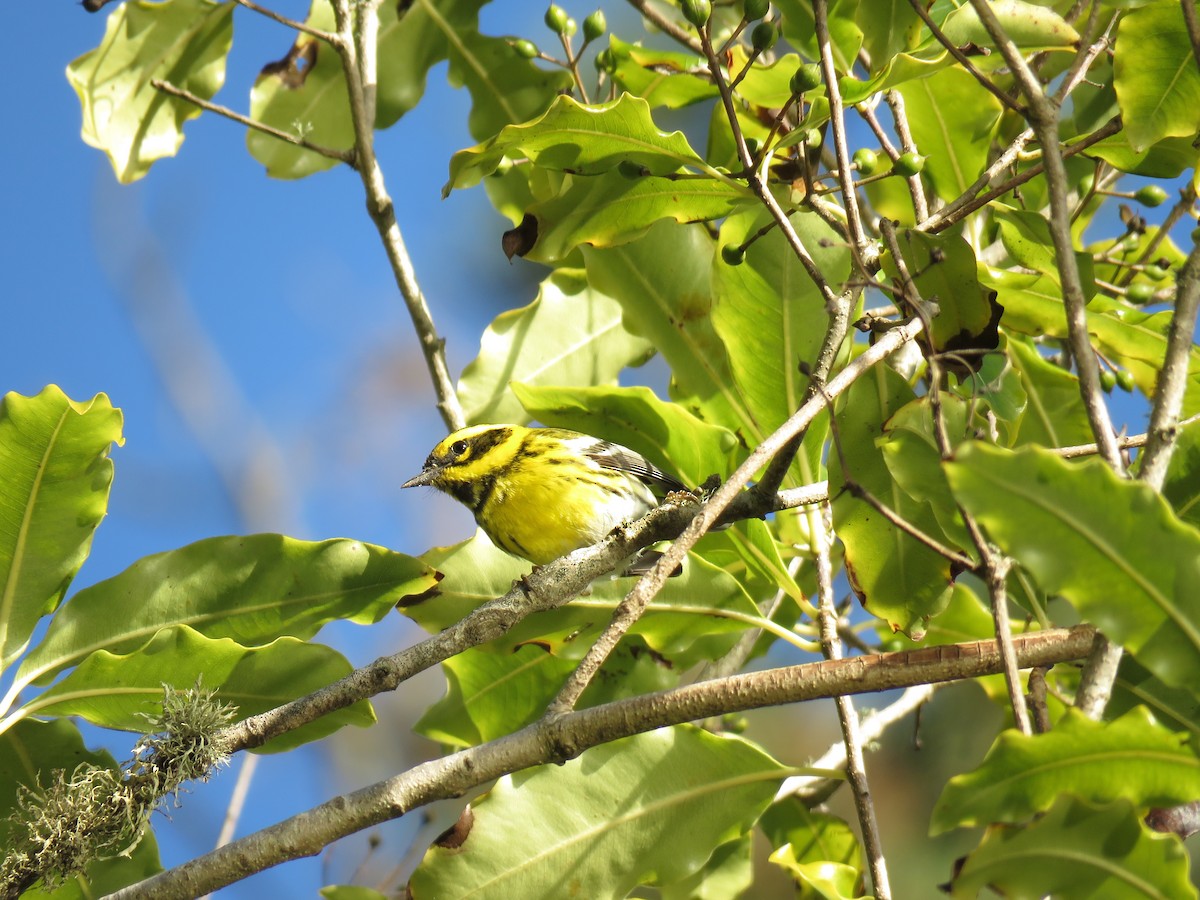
(540, 493)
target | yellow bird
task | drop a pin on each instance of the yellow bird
(540, 493)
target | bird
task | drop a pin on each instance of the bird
(540, 493)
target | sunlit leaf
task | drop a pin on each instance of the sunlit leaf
(1078, 850)
(1155, 75)
(1133, 758)
(1110, 546)
(570, 335)
(584, 140)
(116, 690)
(660, 77)
(54, 480)
(181, 42)
(559, 830)
(252, 589)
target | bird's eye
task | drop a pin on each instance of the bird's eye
(458, 448)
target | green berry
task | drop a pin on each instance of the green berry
(1151, 195)
(807, 77)
(865, 160)
(594, 25)
(572, 26)
(556, 19)
(909, 164)
(1157, 271)
(697, 11)
(604, 61)
(1086, 183)
(733, 255)
(764, 36)
(1125, 380)
(526, 49)
(813, 138)
(754, 9)
(1139, 293)
(1108, 380)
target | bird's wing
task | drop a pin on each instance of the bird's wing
(613, 456)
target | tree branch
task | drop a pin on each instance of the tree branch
(344, 156)
(856, 771)
(310, 832)
(357, 46)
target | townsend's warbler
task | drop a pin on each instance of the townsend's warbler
(540, 493)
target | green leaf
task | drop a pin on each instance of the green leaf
(684, 625)
(1026, 237)
(819, 850)
(570, 335)
(305, 92)
(1110, 546)
(953, 122)
(660, 77)
(55, 476)
(1030, 26)
(1175, 708)
(663, 281)
(945, 272)
(493, 692)
(583, 140)
(182, 42)
(888, 27)
(505, 87)
(1130, 338)
(771, 318)
(116, 690)
(729, 872)
(610, 209)
(1133, 758)
(665, 433)
(800, 30)
(351, 892)
(663, 803)
(1078, 850)
(252, 589)
(1054, 415)
(1155, 75)
(895, 577)
(1182, 485)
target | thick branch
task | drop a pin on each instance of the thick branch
(552, 740)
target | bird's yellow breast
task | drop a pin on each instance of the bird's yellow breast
(542, 518)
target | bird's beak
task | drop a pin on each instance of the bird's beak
(426, 477)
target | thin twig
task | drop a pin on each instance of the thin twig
(345, 156)
(856, 772)
(290, 23)
(357, 48)
(450, 776)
